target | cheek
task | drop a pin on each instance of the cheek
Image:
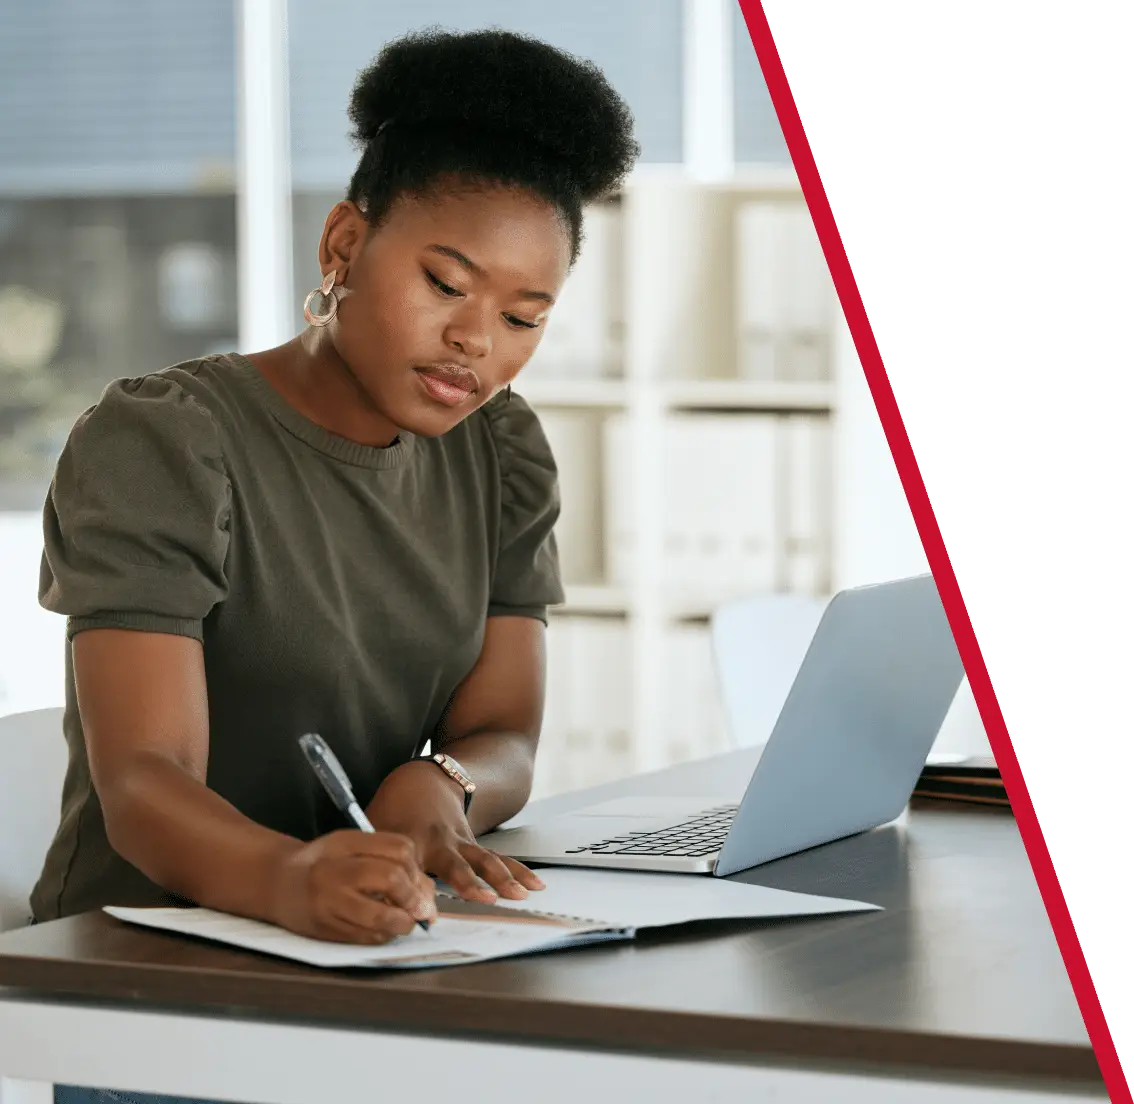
(398, 311)
(518, 348)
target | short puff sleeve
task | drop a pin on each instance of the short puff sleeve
(136, 522)
(527, 577)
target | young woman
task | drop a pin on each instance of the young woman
(350, 534)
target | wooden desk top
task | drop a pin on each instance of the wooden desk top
(960, 975)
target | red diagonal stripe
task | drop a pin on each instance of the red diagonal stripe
(935, 551)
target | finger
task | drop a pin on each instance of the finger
(495, 871)
(328, 924)
(378, 921)
(427, 888)
(385, 845)
(461, 877)
(379, 877)
(529, 879)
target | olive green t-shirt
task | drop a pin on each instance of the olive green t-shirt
(336, 588)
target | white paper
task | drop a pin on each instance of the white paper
(646, 900)
(449, 942)
(582, 906)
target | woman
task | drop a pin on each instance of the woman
(350, 534)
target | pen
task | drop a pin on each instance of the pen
(329, 771)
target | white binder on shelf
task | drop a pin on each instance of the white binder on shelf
(582, 338)
(808, 298)
(585, 739)
(695, 725)
(575, 440)
(721, 529)
(725, 493)
(619, 538)
(760, 306)
(784, 293)
(552, 758)
(805, 486)
(608, 709)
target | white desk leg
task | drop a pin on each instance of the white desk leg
(25, 1092)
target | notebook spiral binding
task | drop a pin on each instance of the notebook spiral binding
(449, 896)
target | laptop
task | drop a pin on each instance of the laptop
(843, 756)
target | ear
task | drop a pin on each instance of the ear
(344, 234)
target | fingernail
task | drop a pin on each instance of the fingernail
(517, 889)
(426, 910)
(539, 882)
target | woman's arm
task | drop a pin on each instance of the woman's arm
(491, 728)
(144, 705)
(493, 721)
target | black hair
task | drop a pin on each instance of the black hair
(487, 107)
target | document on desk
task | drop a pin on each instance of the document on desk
(452, 940)
(578, 907)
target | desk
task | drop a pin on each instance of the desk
(956, 991)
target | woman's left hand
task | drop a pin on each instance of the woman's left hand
(420, 801)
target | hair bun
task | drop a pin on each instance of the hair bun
(510, 86)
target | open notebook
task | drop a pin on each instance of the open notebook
(578, 907)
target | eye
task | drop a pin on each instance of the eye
(442, 287)
(512, 320)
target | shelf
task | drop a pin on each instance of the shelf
(693, 394)
(600, 393)
(601, 600)
(769, 179)
(720, 394)
(593, 600)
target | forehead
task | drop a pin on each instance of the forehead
(511, 234)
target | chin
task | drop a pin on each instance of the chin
(435, 423)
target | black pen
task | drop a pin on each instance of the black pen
(329, 771)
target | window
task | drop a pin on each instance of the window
(117, 247)
(757, 136)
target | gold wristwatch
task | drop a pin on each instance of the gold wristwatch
(456, 772)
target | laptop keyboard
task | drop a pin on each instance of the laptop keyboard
(700, 835)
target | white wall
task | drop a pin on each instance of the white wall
(875, 537)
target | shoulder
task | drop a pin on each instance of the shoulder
(167, 417)
(529, 478)
(518, 438)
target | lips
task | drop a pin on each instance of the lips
(448, 384)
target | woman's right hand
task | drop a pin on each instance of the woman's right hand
(353, 887)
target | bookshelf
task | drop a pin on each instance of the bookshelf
(654, 352)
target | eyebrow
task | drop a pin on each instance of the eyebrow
(473, 267)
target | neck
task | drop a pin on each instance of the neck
(311, 377)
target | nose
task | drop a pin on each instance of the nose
(468, 331)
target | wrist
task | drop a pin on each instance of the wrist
(428, 773)
(277, 871)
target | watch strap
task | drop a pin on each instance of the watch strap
(457, 773)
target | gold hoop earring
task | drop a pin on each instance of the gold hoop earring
(327, 291)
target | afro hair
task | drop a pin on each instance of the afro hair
(488, 107)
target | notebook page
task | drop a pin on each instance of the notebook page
(650, 900)
(450, 941)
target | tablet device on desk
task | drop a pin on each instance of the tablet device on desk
(844, 755)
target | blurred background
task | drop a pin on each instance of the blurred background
(165, 170)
